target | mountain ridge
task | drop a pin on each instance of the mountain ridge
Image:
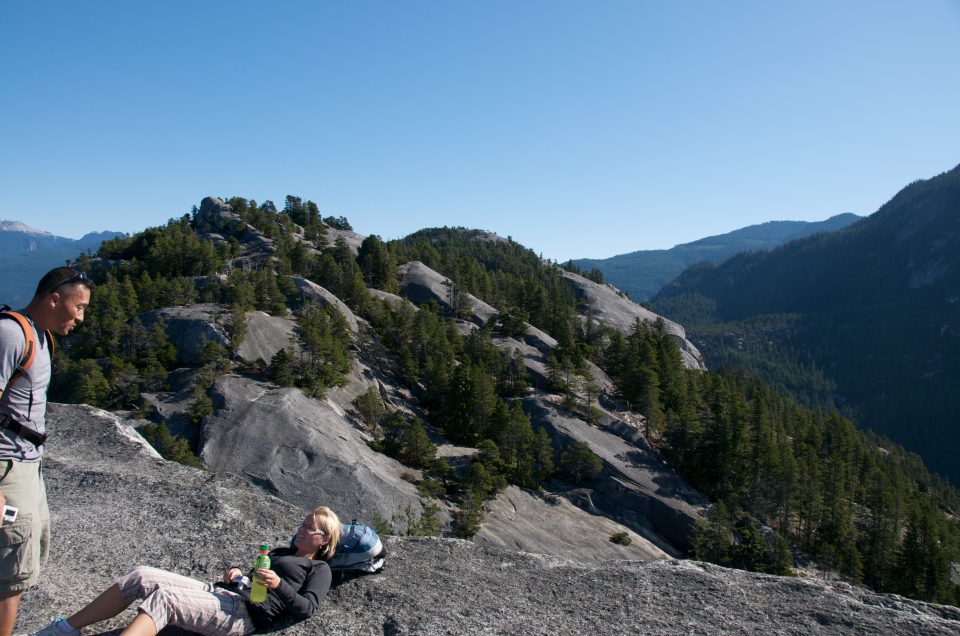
(642, 273)
(887, 285)
(27, 253)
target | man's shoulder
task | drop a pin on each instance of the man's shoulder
(11, 332)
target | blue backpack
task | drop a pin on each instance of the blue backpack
(359, 551)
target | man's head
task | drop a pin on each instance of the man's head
(61, 297)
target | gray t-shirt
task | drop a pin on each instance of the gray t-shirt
(26, 399)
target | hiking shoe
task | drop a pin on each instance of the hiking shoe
(55, 629)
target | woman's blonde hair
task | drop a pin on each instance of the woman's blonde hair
(327, 520)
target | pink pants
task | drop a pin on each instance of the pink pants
(179, 600)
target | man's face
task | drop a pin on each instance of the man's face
(68, 305)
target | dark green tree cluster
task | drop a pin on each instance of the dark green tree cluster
(467, 380)
(738, 541)
(856, 503)
(170, 251)
(593, 273)
(265, 218)
(114, 355)
(579, 463)
(378, 264)
(337, 271)
(504, 274)
(405, 439)
(322, 352)
(338, 223)
(306, 214)
(170, 447)
(467, 383)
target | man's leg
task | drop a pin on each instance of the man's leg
(20, 547)
(9, 602)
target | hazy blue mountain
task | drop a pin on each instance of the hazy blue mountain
(643, 273)
(867, 317)
(27, 253)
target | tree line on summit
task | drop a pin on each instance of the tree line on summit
(783, 476)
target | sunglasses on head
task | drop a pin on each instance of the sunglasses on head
(80, 277)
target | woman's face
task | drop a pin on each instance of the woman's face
(310, 537)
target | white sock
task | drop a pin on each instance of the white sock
(66, 627)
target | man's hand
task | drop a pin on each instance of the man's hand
(3, 502)
(231, 574)
(270, 578)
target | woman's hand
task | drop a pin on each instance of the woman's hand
(231, 574)
(269, 578)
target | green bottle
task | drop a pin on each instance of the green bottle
(258, 589)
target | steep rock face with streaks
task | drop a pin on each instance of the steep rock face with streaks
(617, 311)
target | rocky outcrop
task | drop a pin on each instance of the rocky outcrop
(636, 488)
(392, 299)
(549, 524)
(621, 313)
(172, 406)
(541, 340)
(266, 335)
(218, 222)
(115, 505)
(352, 239)
(310, 290)
(421, 284)
(190, 327)
(286, 442)
(294, 447)
(216, 216)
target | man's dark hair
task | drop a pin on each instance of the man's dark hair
(60, 276)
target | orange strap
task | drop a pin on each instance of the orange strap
(30, 347)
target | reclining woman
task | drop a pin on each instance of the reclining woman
(297, 582)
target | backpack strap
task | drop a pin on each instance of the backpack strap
(51, 342)
(29, 348)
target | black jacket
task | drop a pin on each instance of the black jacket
(303, 586)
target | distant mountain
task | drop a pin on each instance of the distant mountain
(868, 317)
(27, 253)
(643, 273)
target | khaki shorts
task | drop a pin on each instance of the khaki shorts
(25, 542)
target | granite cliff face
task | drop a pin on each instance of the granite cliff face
(115, 505)
(421, 284)
(285, 442)
(621, 313)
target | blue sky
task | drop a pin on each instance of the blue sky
(579, 129)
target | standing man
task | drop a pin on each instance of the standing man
(58, 305)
